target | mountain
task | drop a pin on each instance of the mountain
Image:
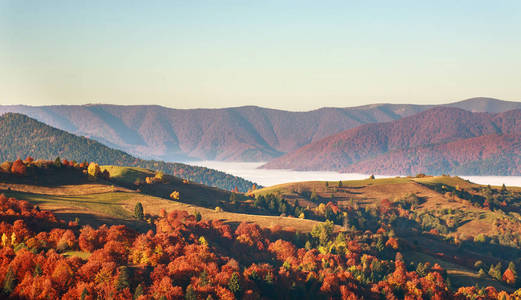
(246, 133)
(21, 136)
(243, 133)
(436, 141)
(482, 104)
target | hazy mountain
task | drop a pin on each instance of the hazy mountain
(482, 104)
(242, 133)
(21, 136)
(439, 140)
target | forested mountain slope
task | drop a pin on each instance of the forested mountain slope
(436, 141)
(21, 136)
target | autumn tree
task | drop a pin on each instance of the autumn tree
(6, 166)
(18, 167)
(159, 176)
(510, 274)
(94, 169)
(174, 195)
(509, 277)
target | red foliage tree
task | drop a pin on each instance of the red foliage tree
(18, 167)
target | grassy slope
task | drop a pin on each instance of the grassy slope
(370, 192)
(102, 202)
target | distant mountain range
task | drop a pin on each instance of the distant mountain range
(21, 136)
(232, 134)
(439, 140)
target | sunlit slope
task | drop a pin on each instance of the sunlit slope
(436, 193)
(74, 196)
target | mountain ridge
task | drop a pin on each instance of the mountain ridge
(408, 145)
(245, 133)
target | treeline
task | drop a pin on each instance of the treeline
(21, 136)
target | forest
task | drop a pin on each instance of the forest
(21, 136)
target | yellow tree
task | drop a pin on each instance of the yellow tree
(94, 169)
(174, 195)
(159, 176)
(13, 238)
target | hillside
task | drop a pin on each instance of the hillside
(433, 237)
(246, 133)
(21, 136)
(71, 194)
(436, 141)
(453, 221)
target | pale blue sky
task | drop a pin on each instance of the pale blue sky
(295, 55)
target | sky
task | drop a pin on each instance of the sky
(294, 55)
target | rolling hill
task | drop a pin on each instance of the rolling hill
(436, 141)
(451, 213)
(422, 236)
(69, 193)
(21, 136)
(236, 134)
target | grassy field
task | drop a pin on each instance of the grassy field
(98, 202)
(127, 175)
(110, 204)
